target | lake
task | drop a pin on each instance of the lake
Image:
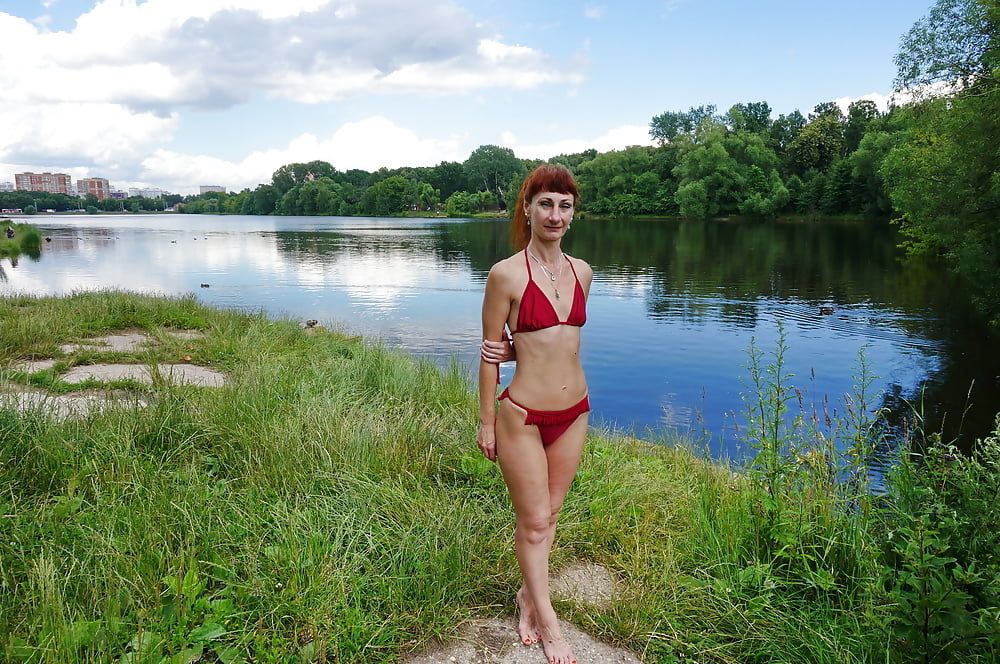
(671, 315)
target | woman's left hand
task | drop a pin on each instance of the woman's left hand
(486, 438)
(495, 352)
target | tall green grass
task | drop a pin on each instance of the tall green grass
(329, 504)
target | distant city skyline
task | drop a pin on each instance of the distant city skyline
(63, 183)
(177, 93)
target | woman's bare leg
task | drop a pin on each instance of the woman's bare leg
(537, 479)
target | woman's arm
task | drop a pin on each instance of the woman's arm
(496, 307)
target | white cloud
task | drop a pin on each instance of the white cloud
(881, 100)
(900, 97)
(105, 93)
(369, 144)
(593, 12)
(216, 53)
(613, 139)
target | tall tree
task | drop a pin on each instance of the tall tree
(665, 127)
(956, 44)
(492, 168)
(753, 117)
(447, 177)
(860, 114)
(942, 176)
(817, 144)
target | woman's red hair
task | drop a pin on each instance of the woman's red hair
(554, 178)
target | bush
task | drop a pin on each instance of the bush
(942, 554)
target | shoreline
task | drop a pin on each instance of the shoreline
(329, 503)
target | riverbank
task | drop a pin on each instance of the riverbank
(329, 504)
(26, 240)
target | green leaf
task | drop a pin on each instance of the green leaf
(207, 632)
(229, 654)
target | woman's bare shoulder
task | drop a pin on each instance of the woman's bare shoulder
(581, 266)
(505, 269)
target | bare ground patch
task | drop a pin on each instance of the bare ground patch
(78, 404)
(495, 641)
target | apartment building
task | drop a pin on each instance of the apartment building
(147, 192)
(97, 187)
(52, 183)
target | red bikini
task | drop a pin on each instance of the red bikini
(536, 312)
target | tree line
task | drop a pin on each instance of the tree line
(32, 202)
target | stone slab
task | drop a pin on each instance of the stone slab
(118, 343)
(67, 406)
(181, 374)
(32, 366)
(496, 642)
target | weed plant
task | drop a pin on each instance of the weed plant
(329, 504)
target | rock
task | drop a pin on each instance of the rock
(32, 366)
(125, 341)
(495, 642)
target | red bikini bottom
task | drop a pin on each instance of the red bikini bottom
(551, 423)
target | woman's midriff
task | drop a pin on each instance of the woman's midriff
(548, 374)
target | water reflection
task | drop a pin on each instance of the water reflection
(673, 308)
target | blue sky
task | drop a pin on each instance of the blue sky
(178, 93)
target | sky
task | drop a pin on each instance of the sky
(181, 93)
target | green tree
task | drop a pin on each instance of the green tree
(492, 168)
(427, 195)
(957, 43)
(942, 175)
(265, 197)
(447, 177)
(754, 117)
(666, 126)
(817, 144)
(614, 173)
(860, 114)
(389, 196)
(786, 128)
(464, 203)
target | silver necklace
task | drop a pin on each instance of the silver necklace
(553, 277)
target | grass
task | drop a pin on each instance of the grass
(329, 504)
(26, 240)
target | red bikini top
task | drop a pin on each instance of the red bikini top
(537, 312)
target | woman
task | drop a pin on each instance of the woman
(537, 430)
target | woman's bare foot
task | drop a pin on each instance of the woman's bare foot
(557, 650)
(526, 619)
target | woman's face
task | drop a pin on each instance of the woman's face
(550, 214)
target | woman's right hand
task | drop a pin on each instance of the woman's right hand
(486, 438)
